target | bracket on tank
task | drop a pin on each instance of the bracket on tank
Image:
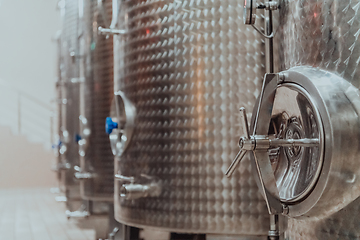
(111, 30)
(249, 16)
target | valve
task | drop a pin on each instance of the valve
(77, 138)
(260, 142)
(110, 125)
(110, 31)
(253, 143)
(57, 146)
(131, 190)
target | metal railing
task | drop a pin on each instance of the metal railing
(26, 115)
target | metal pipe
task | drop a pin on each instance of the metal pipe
(135, 191)
(269, 58)
(305, 142)
(274, 227)
(107, 31)
(269, 43)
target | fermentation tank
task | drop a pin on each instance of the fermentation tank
(69, 129)
(97, 164)
(305, 131)
(328, 40)
(182, 69)
(96, 170)
(57, 141)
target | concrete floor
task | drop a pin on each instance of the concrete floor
(33, 214)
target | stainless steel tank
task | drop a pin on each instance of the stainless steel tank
(57, 141)
(70, 102)
(324, 34)
(97, 162)
(96, 171)
(306, 128)
(182, 70)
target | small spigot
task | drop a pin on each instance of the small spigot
(110, 31)
(81, 175)
(132, 191)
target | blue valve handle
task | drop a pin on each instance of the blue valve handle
(77, 138)
(110, 125)
(58, 145)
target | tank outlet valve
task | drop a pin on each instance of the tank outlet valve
(77, 138)
(110, 31)
(80, 175)
(110, 125)
(134, 191)
(84, 175)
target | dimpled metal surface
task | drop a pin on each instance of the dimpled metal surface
(322, 34)
(70, 35)
(342, 225)
(96, 101)
(188, 66)
(70, 96)
(58, 110)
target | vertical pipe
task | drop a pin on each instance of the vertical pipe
(269, 44)
(274, 227)
(269, 58)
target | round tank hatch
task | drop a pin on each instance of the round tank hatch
(120, 124)
(296, 168)
(305, 142)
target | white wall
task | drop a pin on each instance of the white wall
(27, 54)
(27, 62)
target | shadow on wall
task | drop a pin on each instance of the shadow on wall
(24, 164)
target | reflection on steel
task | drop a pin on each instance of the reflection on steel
(96, 68)
(69, 98)
(324, 34)
(187, 66)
